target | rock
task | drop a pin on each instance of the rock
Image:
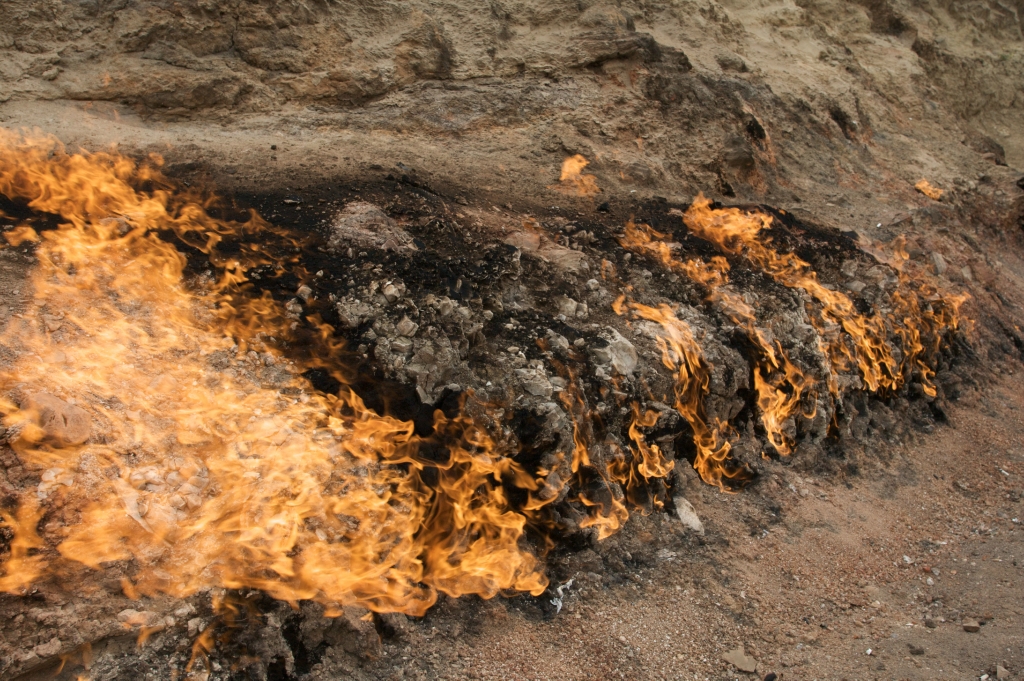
(535, 382)
(939, 263)
(557, 341)
(739, 659)
(59, 423)
(363, 224)
(352, 314)
(392, 292)
(407, 327)
(856, 286)
(971, 626)
(593, 284)
(525, 241)
(930, 623)
(687, 515)
(401, 346)
(304, 292)
(619, 353)
(48, 649)
(915, 650)
(566, 306)
(1002, 672)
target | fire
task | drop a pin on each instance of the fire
(779, 384)
(863, 343)
(926, 188)
(208, 459)
(573, 181)
(920, 318)
(680, 353)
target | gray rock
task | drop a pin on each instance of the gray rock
(687, 515)
(566, 306)
(619, 353)
(401, 346)
(856, 286)
(305, 292)
(407, 327)
(353, 313)
(393, 292)
(363, 224)
(939, 263)
(557, 341)
(535, 382)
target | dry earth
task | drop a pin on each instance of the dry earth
(831, 111)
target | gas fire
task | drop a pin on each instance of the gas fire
(172, 425)
(204, 475)
(920, 319)
(573, 181)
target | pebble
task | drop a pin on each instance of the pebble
(407, 327)
(739, 659)
(971, 626)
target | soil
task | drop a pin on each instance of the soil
(862, 559)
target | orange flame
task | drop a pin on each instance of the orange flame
(864, 343)
(681, 353)
(195, 470)
(926, 188)
(573, 181)
(779, 397)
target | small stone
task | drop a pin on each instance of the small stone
(535, 382)
(971, 626)
(401, 346)
(566, 306)
(939, 263)
(557, 341)
(856, 286)
(513, 349)
(48, 649)
(304, 292)
(391, 293)
(930, 623)
(619, 353)
(60, 423)
(915, 650)
(579, 342)
(407, 327)
(1002, 672)
(687, 515)
(488, 315)
(739, 659)
(593, 284)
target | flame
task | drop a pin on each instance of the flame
(681, 354)
(572, 180)
(607, 512)
(779, 384)
(202, 475)
(863, 342)
(926, 188)
(21, 568)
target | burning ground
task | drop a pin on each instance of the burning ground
(259, 441)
